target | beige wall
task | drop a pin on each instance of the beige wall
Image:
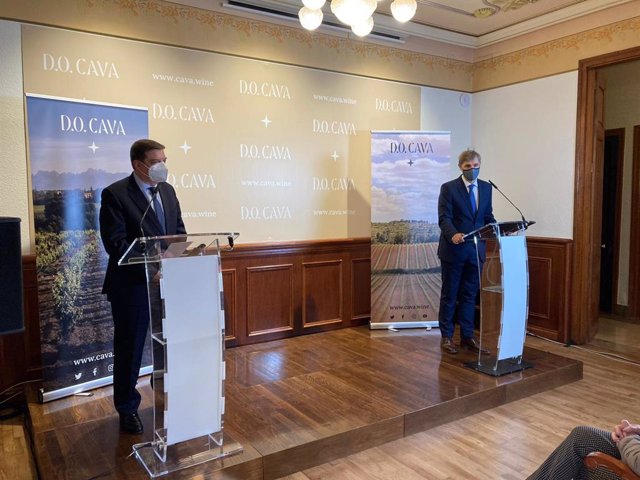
(552, 50)
(557, 48)
(551, 53)
(167, 23)
(14, 193)
(526, 134)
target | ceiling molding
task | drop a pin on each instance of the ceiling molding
(386, 29)
(546, 20)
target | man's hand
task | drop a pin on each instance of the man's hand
(457, 238)
(623, 429)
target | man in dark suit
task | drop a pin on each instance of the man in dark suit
(464, 205)
(124, 204)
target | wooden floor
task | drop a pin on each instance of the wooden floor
(297, 404)
(509, 442)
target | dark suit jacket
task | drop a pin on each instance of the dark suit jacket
(123, 205)
(454, 215)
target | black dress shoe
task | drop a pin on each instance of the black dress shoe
(448, 346)
(473, 344)
(131, 423)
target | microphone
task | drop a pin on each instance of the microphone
(524, 220)
(230, 241)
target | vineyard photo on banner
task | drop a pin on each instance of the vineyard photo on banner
(76, 149)
(407, 169)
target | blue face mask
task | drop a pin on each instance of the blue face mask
(471, 174)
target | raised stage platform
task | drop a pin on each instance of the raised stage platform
(297, 403)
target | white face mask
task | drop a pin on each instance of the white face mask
(158, 172)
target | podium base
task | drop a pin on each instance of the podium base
(500, 367)
(184, 454)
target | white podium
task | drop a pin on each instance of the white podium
(186, 318)
(504, 297)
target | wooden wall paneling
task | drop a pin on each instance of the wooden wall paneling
(12, 360)
(360, 289)
(20, 358)
(230, 289)
(549, 287)
(541, 293)
(286, 289)
(31, 318)
(322, 293)
(269, 300)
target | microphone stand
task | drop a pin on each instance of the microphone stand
(526, 222)
(143, 244)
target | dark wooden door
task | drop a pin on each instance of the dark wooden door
(609, 248)
(596, 205)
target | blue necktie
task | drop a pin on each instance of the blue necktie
(157, 207)
(472, 198)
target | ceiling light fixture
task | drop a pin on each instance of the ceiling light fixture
(310, 18)
(314, 4)
(358, 14)
(362, 29)
(403, 10)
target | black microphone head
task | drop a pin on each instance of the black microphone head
(230, 240)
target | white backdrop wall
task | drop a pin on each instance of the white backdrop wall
(448, 111)
(14, 194)
(526, 135)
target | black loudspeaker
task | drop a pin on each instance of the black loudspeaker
(11, 307)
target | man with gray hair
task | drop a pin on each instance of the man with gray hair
(464, 205)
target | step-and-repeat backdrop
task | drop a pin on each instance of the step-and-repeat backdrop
(275, 152)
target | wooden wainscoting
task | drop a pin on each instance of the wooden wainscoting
(549, 287)
(20, 352)
(283, 290)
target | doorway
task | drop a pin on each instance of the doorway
(588, 197)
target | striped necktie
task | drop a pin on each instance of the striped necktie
(157, 207)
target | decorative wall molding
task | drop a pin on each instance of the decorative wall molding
(555, 56)
(549, 287)
(292, 288)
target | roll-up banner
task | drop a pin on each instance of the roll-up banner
(407, 169)
(76, 148)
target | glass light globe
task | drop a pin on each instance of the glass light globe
(340, 8)
(310, 18)
(362, 29)
(314, 4)
(403, 10)
(353, 11)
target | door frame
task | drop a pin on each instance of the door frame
(584, 212)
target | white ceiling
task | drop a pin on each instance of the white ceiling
(452, 21)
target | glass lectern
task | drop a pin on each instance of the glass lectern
(504, 297)
(186, 318)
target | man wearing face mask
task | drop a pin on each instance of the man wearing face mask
(464, 205)
(124, 204)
